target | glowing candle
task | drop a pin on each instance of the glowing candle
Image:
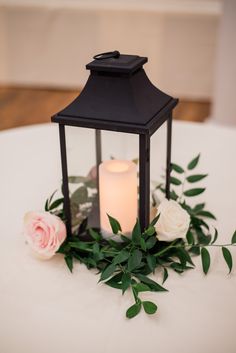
(118, 194)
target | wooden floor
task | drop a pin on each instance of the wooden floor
(24, 106)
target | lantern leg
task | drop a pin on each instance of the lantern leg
(65, 186)
(144, 181)
(98, 152)
(168, 155)
(98, 162)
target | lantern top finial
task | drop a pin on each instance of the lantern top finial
(114, 62)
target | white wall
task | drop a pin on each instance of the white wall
(49, 43)
(224, 104)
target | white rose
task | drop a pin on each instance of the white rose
(173, 222)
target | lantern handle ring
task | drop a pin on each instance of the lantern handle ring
(107, 55)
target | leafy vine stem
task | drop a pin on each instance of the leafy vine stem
(131, 263)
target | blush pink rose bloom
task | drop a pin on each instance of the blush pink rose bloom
(92, 173)
(44, 233)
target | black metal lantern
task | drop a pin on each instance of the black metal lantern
(118, 96)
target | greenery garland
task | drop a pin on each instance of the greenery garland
(128, 263)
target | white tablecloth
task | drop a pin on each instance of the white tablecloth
(43, 308)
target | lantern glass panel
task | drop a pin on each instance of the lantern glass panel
(119, 145)
(81, 163)
(80, 148)
(81, 157)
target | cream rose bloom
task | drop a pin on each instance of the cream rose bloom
(173, 222)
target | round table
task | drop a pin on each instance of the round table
(46, 309)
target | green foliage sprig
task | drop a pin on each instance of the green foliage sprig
(129, 263)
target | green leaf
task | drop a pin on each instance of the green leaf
(206, 214)
(115, 244)
(64, 248)
(199, 207)
(95, 235)
(69, 262)
(90, 184)
(109, 270)
(206, 260)
(115, 281)
(115, 225)
(190, 238)
(143, 244)
(80, 245)
(228, 258)
(165, 275)
(125, 282)
(203, 223)
(151, 261)
(121, 257)
(134, 260)
(196, 177)
(125, 239)
(194, 192)
(80, 196)
(186, 207)
(149, 307)
(141, 287)
(184, 256)
(173, 195)
(49, 200)
(133, 310)
(99, 256)
(96, 249)
(215, 236)
(150, 230)
(151, 242)
(202, 237)
(193, 163)
(177, 168)
(233, 240)
(152, 284)
(90, 262)
(46, 206)
(177, 267)
(154, 221)
(136, 233)
(175, 181)
(83, 226)
(56, 204)
(77, 179)
(195, 250)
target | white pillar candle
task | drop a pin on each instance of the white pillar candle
(118, 194)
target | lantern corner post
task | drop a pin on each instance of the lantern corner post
(144, 180)
(98, 146)
(65, 182)
(168, 154)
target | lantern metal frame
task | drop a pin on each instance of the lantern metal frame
(110, 68)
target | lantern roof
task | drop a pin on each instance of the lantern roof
(118, 96)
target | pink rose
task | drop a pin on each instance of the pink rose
(44, 233)
(92, 175)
